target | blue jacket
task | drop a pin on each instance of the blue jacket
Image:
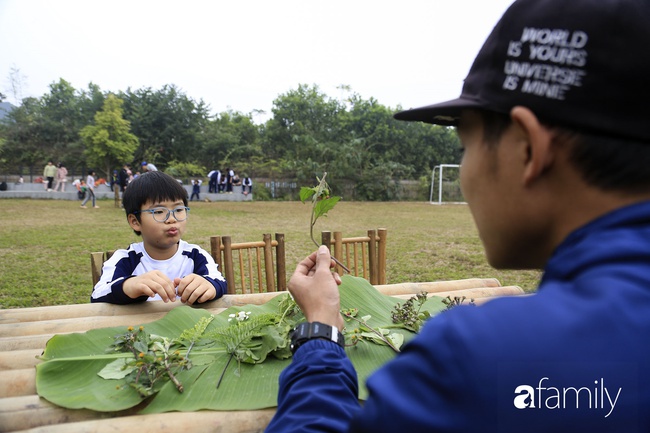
(573, 357)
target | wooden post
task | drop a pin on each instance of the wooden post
(381, 255)
(215, 250)
(372, 257)
(228, 264)
(268, 263)
(338, 251)
(280, 262)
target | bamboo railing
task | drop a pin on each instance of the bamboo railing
(25, 332)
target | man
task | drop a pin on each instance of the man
(553, 118)
(147, 166)
(123, 177)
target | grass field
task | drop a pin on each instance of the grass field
(45, 244)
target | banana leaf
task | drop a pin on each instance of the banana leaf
(68, 375)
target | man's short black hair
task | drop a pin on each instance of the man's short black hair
(154, 186)
(608, 163)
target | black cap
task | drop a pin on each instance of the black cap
(583, 64)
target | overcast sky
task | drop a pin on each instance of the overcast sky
(240, 54)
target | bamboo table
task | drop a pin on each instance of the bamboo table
(25, 332)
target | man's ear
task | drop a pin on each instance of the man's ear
(539, 140)
(133, 222)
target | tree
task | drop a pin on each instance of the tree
(23, 144)
(305, 124)
(230, 139)
(60, 122)
(168, 123)
(109, 142)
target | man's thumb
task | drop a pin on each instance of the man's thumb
(323, 257)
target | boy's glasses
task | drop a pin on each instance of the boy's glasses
(161, 214)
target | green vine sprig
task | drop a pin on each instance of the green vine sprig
(365, 332)
(321, 203)
(153, 360)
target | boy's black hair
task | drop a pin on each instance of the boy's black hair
(154, 186)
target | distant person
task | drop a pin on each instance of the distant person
(49, 172)
(147, 166)
(230, 174)
(215, 180)
(114, 180)
(61, 177)
(247, 185)
(90, 190)
(196, 190)
(553, 123)
(123, 177)
(81, 188)
(223, 183)
(162, 266)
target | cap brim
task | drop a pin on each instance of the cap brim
(444, 113)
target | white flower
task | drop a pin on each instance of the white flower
(241, 316)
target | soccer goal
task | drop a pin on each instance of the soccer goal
(447, 184)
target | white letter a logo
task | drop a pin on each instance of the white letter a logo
(525, 397)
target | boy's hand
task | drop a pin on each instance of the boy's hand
(194, 288)
(150, 284)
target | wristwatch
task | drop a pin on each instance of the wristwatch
(309, 330)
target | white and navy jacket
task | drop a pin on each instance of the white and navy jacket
(135, 261)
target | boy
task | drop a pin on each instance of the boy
(553, 119)
(196, 190)
(162, 266)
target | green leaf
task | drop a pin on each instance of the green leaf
(324, 206)
(117, 369)
(396, 339)
(69, 377)
(306, 193)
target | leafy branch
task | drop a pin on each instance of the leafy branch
(152, 360)
(366, 332)
(321, 203)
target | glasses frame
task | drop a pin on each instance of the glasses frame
(153, 211)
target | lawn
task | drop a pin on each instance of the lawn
(45, 244)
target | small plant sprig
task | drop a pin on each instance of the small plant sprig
(192, 335)
(321, 202)
(153, 361)
(366, 332)
(237, 337)
(410, 315)
(455, 301)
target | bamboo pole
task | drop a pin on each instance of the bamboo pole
(436, 286)
(17, 383)
(474, 293)
(56, 420)
(26, 412)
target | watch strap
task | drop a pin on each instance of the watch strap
(309, 330)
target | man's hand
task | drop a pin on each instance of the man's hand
(194, 288)
(150, 284)
(315, 289)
